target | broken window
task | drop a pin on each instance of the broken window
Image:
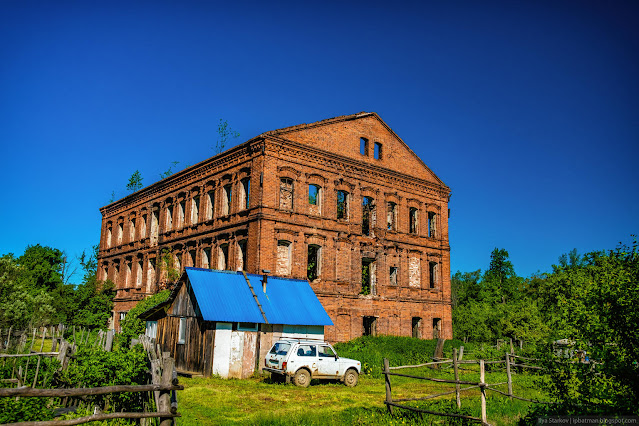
(191, 258)
(210, 198)
(228, 193)
(342, 205)
(206, 258)
(177, 263)
(109, 235)
(368, 215)
(363, 146)
(392, 276)
(127, 277)
(416, 325)
(241, 255)
(169, 218)
(283, 261)
(431, 224)
(245, 191)
(437, 328)
(286, 194)
(368, 277)
(138, 274)
(120, 232)
(313, 265)
(195, 210)
(181, 208)
(370, 326)
(412, 220)
(143, 227)
(150, 275)
(314, 199)
(391, 216)
(223, 257)
(378, 151)
(132, 229)
(154, 227)
(432, 269)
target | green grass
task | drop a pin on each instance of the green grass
(258, 401)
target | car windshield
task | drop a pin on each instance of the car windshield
(280, 348)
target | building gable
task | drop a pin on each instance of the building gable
(349, 135)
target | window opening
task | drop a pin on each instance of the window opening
(342, 204)
(223, 257)
(182, 332)
(313, 194)
(210, 197)
(154, 228)
(132, 230)
(326, 352)
(431, 224)
(178, 264)
(127, 278)
(150, 275)
(181, 207)
(109, 235)
(195, 210)
(377, 154)
(143, 227)
(416, 324)
(313, 265)
(246, 190)
(286, 194)
(412, 219)
(241, 258)
(138, 274)
(363, 146)
(370, 326)
(392, 276)
(368, 276)
(120, 232)
(306, 350)
(228, 193)
(432, 269)
(367, 215)
(391, 216)
(191, 258)
(437, 328)
(206, 257)
(169, 218)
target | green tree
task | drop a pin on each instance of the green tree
(135, 182)
(94, 299)
(224, 132)
(169, 171)
(43, 266)
(132, 326)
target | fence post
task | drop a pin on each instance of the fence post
(482, 387)
(388, 386)
(165, 396)
(108, 345)
(456, 370)
(461, 353)
(510, 377)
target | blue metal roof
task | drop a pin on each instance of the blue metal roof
(288, 301)
(223, 296)
(226, 296)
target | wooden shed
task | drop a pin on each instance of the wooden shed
(223, 323)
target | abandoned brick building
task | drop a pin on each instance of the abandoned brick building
(343, 202)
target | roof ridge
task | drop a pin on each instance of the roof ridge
(318, 123)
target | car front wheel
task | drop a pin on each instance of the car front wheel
(351, 378)
(302, 378)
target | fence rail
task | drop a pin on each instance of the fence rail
(481, 385)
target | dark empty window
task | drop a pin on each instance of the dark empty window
(368, 276)
(367, 213)
(363, 146)
(432, 270)
(437, 328)
(431, 224)
(370, 326)
(228, 193)
(416, 323)
(391, 216)
(378, 151)
(313, 266)
(392, 276)
(342, 204)
(412, 220)
(246, 191)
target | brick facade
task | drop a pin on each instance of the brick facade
(343, 201)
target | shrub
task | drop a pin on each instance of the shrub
(132, 326)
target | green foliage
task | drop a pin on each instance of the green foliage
(24, 410)
(224, 132)
(168, 266)
(132, 326)
(94, 367)
(43, 266)
(135, 182)
(399, 350)
(169, 171)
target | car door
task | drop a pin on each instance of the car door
(327, 365)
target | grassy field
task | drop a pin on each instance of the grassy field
(259, 401)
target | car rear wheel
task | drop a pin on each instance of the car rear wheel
(351, 378)
(302, 378)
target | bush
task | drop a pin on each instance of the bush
(132, 326)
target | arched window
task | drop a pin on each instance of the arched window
(283, 258)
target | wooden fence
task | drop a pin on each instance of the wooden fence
(163, 378)
(509, 361)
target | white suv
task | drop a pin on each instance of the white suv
(303, 360)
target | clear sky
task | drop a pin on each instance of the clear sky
(528, 111)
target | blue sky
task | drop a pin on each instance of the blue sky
(529, 111)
